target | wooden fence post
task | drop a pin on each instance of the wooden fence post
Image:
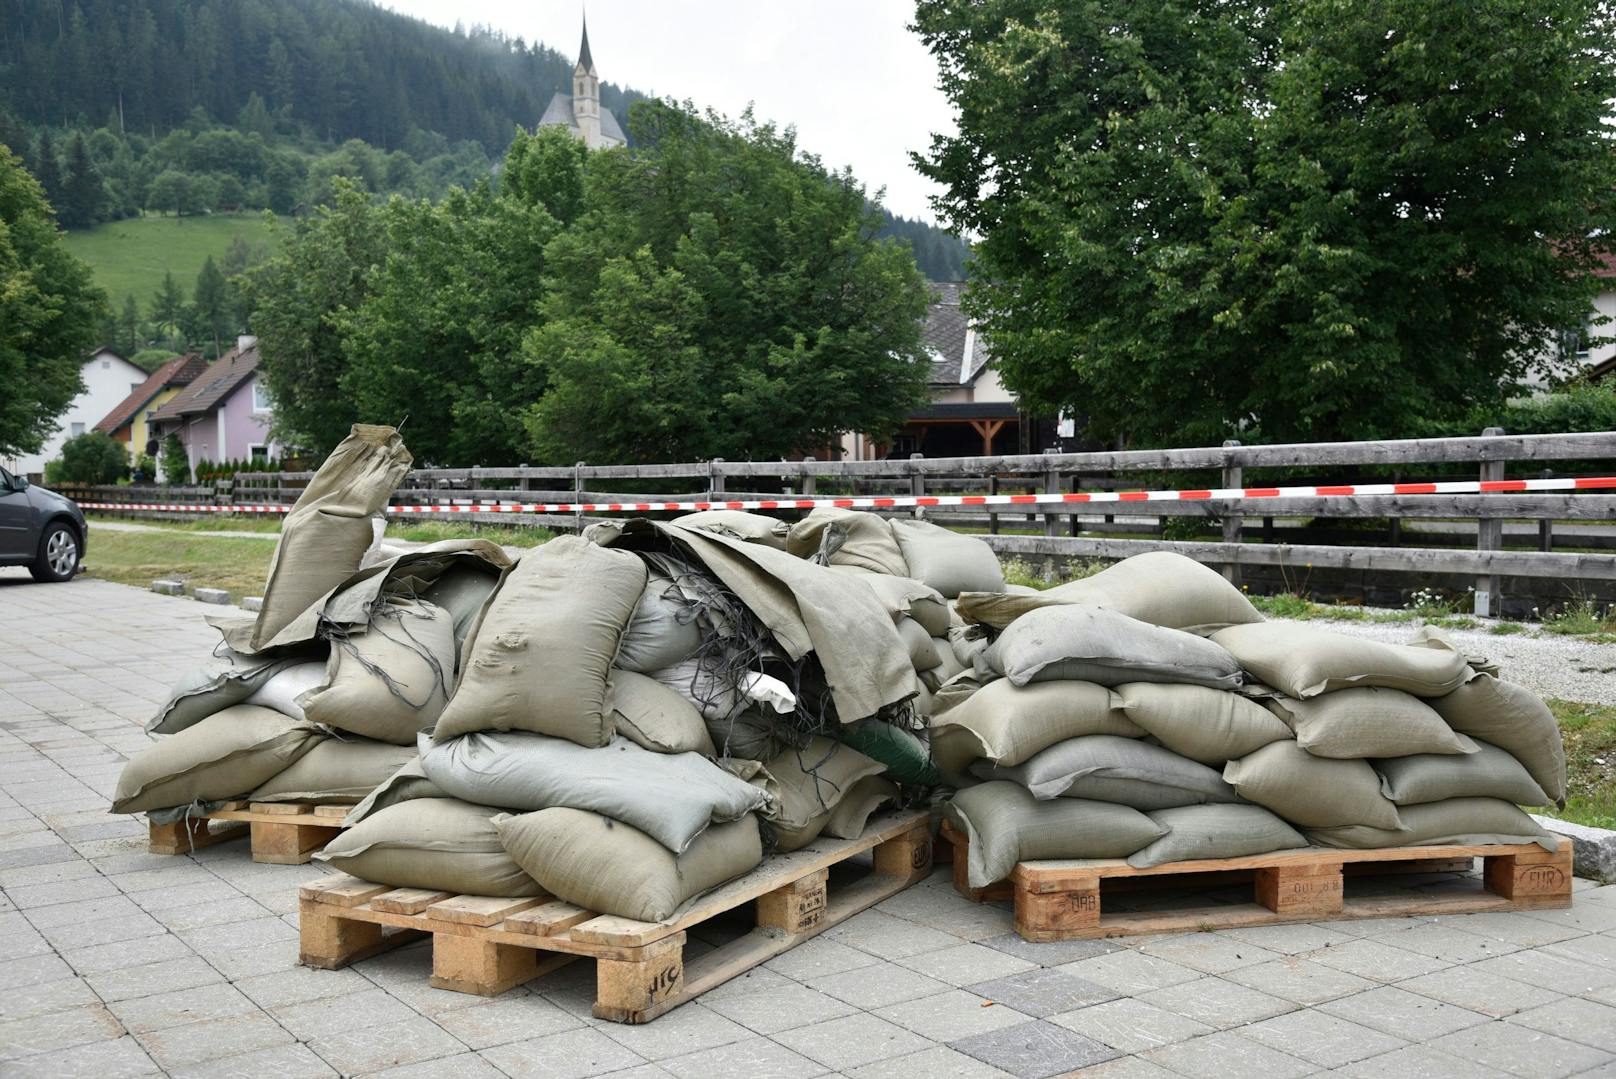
(993, 517)
(1545, 525)
(715, 479)
(917, 483)
(1489, 537)
(578, 496)
(1233, 476)
(1052, 486)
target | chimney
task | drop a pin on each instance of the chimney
(245, 341)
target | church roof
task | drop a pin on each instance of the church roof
(585, 61)
(559, 111)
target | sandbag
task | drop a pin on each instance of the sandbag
(905, 596)
(1106, 768)
(335, 771)
(955, 691)
(805, 785)
(1007, 724)
(922, 653)
(1304, 661)
(228, 678)
(672, 797)
(1215, 831)
(461, 590)
(663, 629)
(837, 537)
(968, 643)
(654, 717)
(1159, 587)
(1004, 824)
(1206, 725)
(1487, 773)
(906, 757)
(1515, 720)
(1314, 792)
(853, 812)
(442, 844)
(601, 865)
(544, 646)
(1456, 821)
(1368, 721)
(404, 785)
(391, 680)
(223, 756)
(1092, 644)
(751, 527)
(948, 663)
(281, 692)
(946, 560)
(327, 532)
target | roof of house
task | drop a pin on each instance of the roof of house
(559, 111)
(212, 386)
(180, 371)
(1607, 265)
(947, 333)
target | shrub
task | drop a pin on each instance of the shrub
(93, 457)
(176, 465)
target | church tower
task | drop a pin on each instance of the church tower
(586, 94)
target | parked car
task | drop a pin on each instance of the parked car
(40, 529)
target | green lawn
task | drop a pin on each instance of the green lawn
(1589, 732)
(132, 255)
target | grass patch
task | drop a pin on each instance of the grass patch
(1300, 608)
(1454, 622)
(213, 522)
(504, 535)
(1505, 629)
(240, 565)
(1019, 571)
(1580, 619)
(131, 256)
(1589, 733)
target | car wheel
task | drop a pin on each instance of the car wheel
(58, 554)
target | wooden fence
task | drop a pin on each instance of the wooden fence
(1473, 536)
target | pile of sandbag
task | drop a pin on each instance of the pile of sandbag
(1149, 713)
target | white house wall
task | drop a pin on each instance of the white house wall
(108, 379)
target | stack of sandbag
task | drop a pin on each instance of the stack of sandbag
(1095, 724)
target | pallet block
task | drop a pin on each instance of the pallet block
(1061, 900)
(283, 833)
(487, 945)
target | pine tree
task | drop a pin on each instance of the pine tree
(168, 308)
(129, 326)
(211, 306)
(46, 169)
(82, 190)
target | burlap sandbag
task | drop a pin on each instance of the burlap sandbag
(328, 531)
(1206, 725)
(439, 843)
(1314, 792)
(1515, 720)
(949, 664)
(544, 646)
(283, 692)
(607, 867)
(335, 771)
(1487, 773)
(905, 596)
(751, 527)
(404, 785)
(947, 560)
(1106, 768)
(461, 590)
(922, 653)
(837, 537)
(1007, 724)
(1456, 821)
(1199, 832)
(226, 679)
(1159, 587)
(1004, 825)
(968, 643)
(223, 756)
(853, 812)
(1305, 661)
(391, 680)
(955, 691)
(1092, 644)
(662, 631)
(657, 718)
(1368, 721)
(805, 786)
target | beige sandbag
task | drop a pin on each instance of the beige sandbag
(948, 561)
(1199, 832)
(1515, 720)
(406, 784)
(327, 532)
(752, 527)
(223, 756)
(968, 643)
(335, 771)
(605, 866)
(1159, 587)
(539, 658)
(657, 718)
(1203, 724)
(1368, 721)
(853, 812)
(905, 596)
(840, 537)
(955, 691)
(806, 786)
(1456, 821)
(1314, 792)
(225, 679)
(922, 653)
(1107, 768)
(1004, 825)
(1487, 773)
(1093, 644)
(391, 680)
(1007, 724)
(442, 844)
(1304, 661)
(949, 664)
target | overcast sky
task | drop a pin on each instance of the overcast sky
(860, 89)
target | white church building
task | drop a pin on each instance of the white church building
(581, 113)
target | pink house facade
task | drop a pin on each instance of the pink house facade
(225, 413)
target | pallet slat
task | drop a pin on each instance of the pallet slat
(285, 833)
(479, 910)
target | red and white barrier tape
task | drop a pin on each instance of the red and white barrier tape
(1453, 487)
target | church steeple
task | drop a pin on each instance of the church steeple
(585, 61)
(586, 93)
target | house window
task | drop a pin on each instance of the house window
(78, 429)
(261, 402)
(106, 365)
(257, 451)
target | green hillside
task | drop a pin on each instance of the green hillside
(132, 255)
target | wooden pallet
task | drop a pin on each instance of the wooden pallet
(485, 945)
(285, 833)
(1060, 900)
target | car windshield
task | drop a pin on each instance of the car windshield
(6, 482)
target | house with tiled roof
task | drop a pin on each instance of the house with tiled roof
(1598, 361)
(225, 413)
(129, 422)
(107, 379)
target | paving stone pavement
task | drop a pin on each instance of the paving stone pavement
(115, 962)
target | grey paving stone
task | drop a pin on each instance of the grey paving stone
(683, 1030)
(176, 1047)
(181, 917)
(1227, 1053)
(1125, 1068)
(889, 937)
(1402, 1014)
(1041, 993)
(1513, 927)
(1418, 1062)
(755, 1058)
(28, 896)
(572, 1054)
(877, 986)
(1129, 1025)
(187, 972)
(1218, 1002)
(1209, 953)
(1130, 972)
(1477, 990)
(119, 1058)
(950, 1016)
(1441, 941)
(1035, 1049)
(1325, 1040)
(1299, 980)
(319, 1018)
(851, 1041)
(966, 964)
(366, 1047)
(1596, 948)
(37, 998)
(56, 1030)
(783, 1007)
(32, 969)
(464, 1066)
(1589, 917)
(276, 1062)
(939, 1060)
(1052, 953)
(1574, 1019)
(158, 1011)
(755, 980)
(499, 1022)
(1521, 1051)
(819, 956)
(1547, 971)
(1376, 961)
(301, 984)
(101, 958)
